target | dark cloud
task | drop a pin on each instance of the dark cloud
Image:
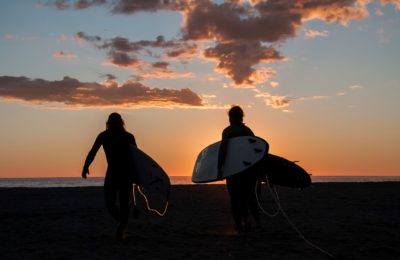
(72, 92)
(232, 25)
(123, 59)
(83, 4)
(89, 38)
(184, 51)
(237, 59)
(233, 22)
(161, 65)
(121, 6)
(123, 52)
(133, 6)
(78, 4)
(108, 76)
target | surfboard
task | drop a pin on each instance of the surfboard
(152, 180)
(243, 152)
(283, 172)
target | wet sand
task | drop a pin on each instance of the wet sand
(349, 220)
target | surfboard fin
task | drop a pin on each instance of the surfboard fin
(252, 141)
(246, 163)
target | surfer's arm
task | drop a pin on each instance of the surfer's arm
(91, 155)
(221, 156)
(222, 152)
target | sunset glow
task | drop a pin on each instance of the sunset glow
(319, 80)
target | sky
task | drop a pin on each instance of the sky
(318, 80)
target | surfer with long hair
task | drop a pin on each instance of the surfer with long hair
(240, 186)
(118, 181)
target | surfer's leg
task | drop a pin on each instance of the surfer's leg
(236, 207)
(249, 185)
(123, 197)
(110, 195)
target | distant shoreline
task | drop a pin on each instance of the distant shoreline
(175, 180)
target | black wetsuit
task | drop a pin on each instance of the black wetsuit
(118, 178)
(241, 187)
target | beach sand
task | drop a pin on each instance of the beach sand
(348, 220)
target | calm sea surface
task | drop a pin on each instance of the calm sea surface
(175, 180)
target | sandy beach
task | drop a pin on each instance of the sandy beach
(349, 220)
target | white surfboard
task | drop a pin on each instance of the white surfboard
(153, 181)
(242, 153)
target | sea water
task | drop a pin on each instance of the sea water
(175, 180)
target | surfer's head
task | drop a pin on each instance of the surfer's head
(236, 115)
(115, 121)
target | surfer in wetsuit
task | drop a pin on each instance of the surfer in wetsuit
(118, 181)
(241, 187)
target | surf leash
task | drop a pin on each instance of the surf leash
(272, 215)
(159, 213)
(134, 205)
(275, 196)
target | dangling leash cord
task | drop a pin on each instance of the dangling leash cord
(274, 195)
(161, 214)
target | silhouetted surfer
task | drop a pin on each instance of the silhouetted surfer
(118, 181)
(241, 187)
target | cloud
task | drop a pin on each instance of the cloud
(235, 24)
(396, 3)
(310, 34)
(206, 20)
(78, 4)
(274, 84)
(130, 7)
(356, 87)
(183, 52)
(274, 101)
(334, 11)
(120, 6)
(72, 92)
(160, 70)
(277, 102)
(123, 59)
(108, 76)
(63, 55)
(125, 53)
(237, 60)
(240, 32)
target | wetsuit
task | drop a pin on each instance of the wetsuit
(241, 187)
(118, 178)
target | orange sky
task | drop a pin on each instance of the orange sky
(322, 87)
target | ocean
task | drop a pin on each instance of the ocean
(175, 180)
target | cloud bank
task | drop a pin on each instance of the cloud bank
(72, 92)
(244, 34)
(125, 53)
